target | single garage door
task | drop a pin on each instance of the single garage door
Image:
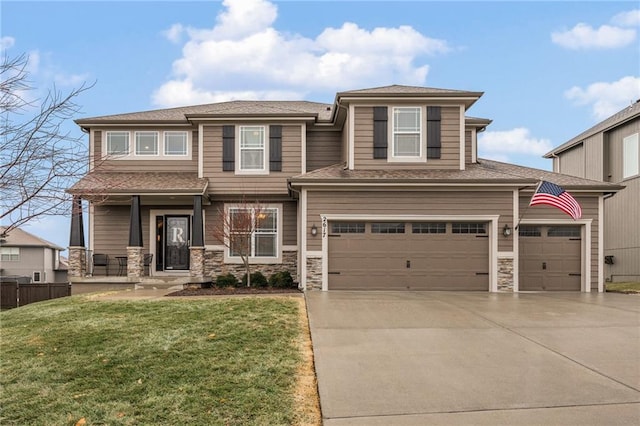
(550, 258)
(408, 256)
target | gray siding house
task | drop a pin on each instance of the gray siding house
(609, 152)
(30, 258)
(382, 189)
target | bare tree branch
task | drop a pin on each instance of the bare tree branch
(38, 158)
(235, 228)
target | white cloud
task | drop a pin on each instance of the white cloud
(70, 80)
(6, 42)
(583, 36)
(606, 98)
(243, 53)
(174, 34)
(498, 145)
(627, 19)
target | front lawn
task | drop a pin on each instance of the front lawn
(171, 362)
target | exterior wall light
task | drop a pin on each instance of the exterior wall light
(506, 231)
(314, 230)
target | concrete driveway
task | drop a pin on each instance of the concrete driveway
(414, 358)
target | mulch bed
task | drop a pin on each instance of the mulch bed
(215, 291)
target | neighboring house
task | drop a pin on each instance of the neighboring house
(610, 152)
(24, 255)
(382, 189)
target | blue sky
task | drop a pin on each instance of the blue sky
(549, 70)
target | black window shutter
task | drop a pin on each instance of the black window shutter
(275, 148)
(228, 148)
(380, 132)
(433, 132)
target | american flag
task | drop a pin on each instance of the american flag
(553, 195)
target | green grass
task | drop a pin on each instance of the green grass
(217, 361)
(630, 287)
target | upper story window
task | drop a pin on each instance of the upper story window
(630, 156)
(10, 254)
(146, 143)
(157, 145)
(175, 143)
(407, 132)
(252, 148)
(117, 143)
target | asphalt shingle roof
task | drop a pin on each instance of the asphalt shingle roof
(140, 182)
(485, 171)
(18, 237)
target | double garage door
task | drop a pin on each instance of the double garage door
(408, 255)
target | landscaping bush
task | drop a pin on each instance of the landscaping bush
(281, 280)
(227, 280)
(257, 280)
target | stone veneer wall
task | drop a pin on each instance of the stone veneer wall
(505, 274)
(314, 273)
(214, 265)
(77, 262)
(197, 263)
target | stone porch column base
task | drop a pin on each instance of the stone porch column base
(196, 268)
(77, 262)
(135, 262)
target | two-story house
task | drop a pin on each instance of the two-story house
(29, 258)
(610, 152)
(382, 189)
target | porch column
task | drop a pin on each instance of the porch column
(77, 250)
(196, 271)
(135, 266)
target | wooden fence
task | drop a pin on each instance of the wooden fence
(14, 294)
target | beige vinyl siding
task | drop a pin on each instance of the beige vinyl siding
(593, 163)
(572, 161)
(393, 202)
(468, 147)
(324, 148)
(622, 232)
(450, 134)
(251, 185)
(589, 206)
(142, 164)
(111, 232)
(615, 149)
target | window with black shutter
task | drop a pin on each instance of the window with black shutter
(380, 132)
(433, 132)
(275, 148)
(228, 148)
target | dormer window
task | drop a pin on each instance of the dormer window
(146, 143)
(252, 149)
(407, 132)
(117, 143)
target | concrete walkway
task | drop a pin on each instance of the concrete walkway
(414, 358)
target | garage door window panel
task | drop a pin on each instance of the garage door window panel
(387, 228)
(429, 228)
(529, 231)
(469, 228)
(347, 228)
(564, 231)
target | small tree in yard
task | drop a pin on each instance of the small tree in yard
(236, 228)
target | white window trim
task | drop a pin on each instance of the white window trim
(164, 142)
(627, 156)
(33, 276)
(131, 155)
(257, 260)
(105, 144)
(422, 158)
(135, 142)
(238, 160)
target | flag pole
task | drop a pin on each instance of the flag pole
(529, 204)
